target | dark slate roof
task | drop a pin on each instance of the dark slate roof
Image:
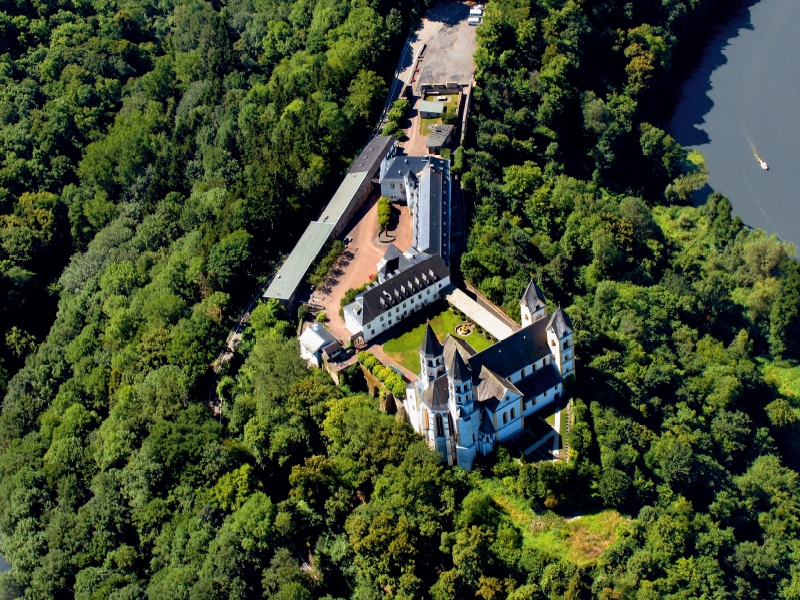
(394, 260)
(430, 343)
(560, 323)
(486, 427)
(539, 381)
(379, 298)
(457, 369)
(518, 350)
(453, 344)
(492, 388)
(439, 135)
(533, 297)
(436, 396)
(398, 167)
(371, 156)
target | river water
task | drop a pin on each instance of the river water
(4, 566)
(743, 99)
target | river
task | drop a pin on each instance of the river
(4, 566)
(743, 99)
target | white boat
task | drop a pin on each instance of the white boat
(763, 164)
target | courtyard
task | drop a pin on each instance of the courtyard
(360, 258)
(404, 348)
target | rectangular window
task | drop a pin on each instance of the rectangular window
(391, 185)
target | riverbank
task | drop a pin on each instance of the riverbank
(739, 105)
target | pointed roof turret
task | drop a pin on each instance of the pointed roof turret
(458, 369)
(533, 297)
(430, 343)
(560, 323)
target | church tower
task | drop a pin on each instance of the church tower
(532, 305)
(431, 358)
(559, 339)
(459, 385)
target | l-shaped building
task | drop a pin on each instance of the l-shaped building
(405, 282)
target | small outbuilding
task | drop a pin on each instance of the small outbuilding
(439, 138)
(316, 341)
(431, 110)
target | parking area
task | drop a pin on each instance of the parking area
(450, 44)
(361, 257)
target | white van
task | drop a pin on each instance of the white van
(475, 12)
(474, 21)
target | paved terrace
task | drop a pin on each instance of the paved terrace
(477, 313)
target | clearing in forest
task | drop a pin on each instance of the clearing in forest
(580, 539)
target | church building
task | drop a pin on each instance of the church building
(464, 401)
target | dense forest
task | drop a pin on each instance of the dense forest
(159, 157)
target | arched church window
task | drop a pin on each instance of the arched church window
(522, 373)
(513, 413)
(439, 425)
(505, 418)
(430, 363)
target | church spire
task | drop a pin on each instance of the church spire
(458, 369)
(430, 343)
(532, 305)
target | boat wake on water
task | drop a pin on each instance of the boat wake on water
(760, 160)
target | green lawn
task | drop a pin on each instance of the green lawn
(404, 349)
(580, 540)
(451, 106)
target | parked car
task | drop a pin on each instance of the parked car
(474, 21)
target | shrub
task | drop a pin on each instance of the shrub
(384, 213)
(390, 128)
(302, 312)
(322, 317)
(323, 266)
(393, 382)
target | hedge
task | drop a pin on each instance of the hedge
(393, 382)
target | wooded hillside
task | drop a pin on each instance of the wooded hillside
(157, 158)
